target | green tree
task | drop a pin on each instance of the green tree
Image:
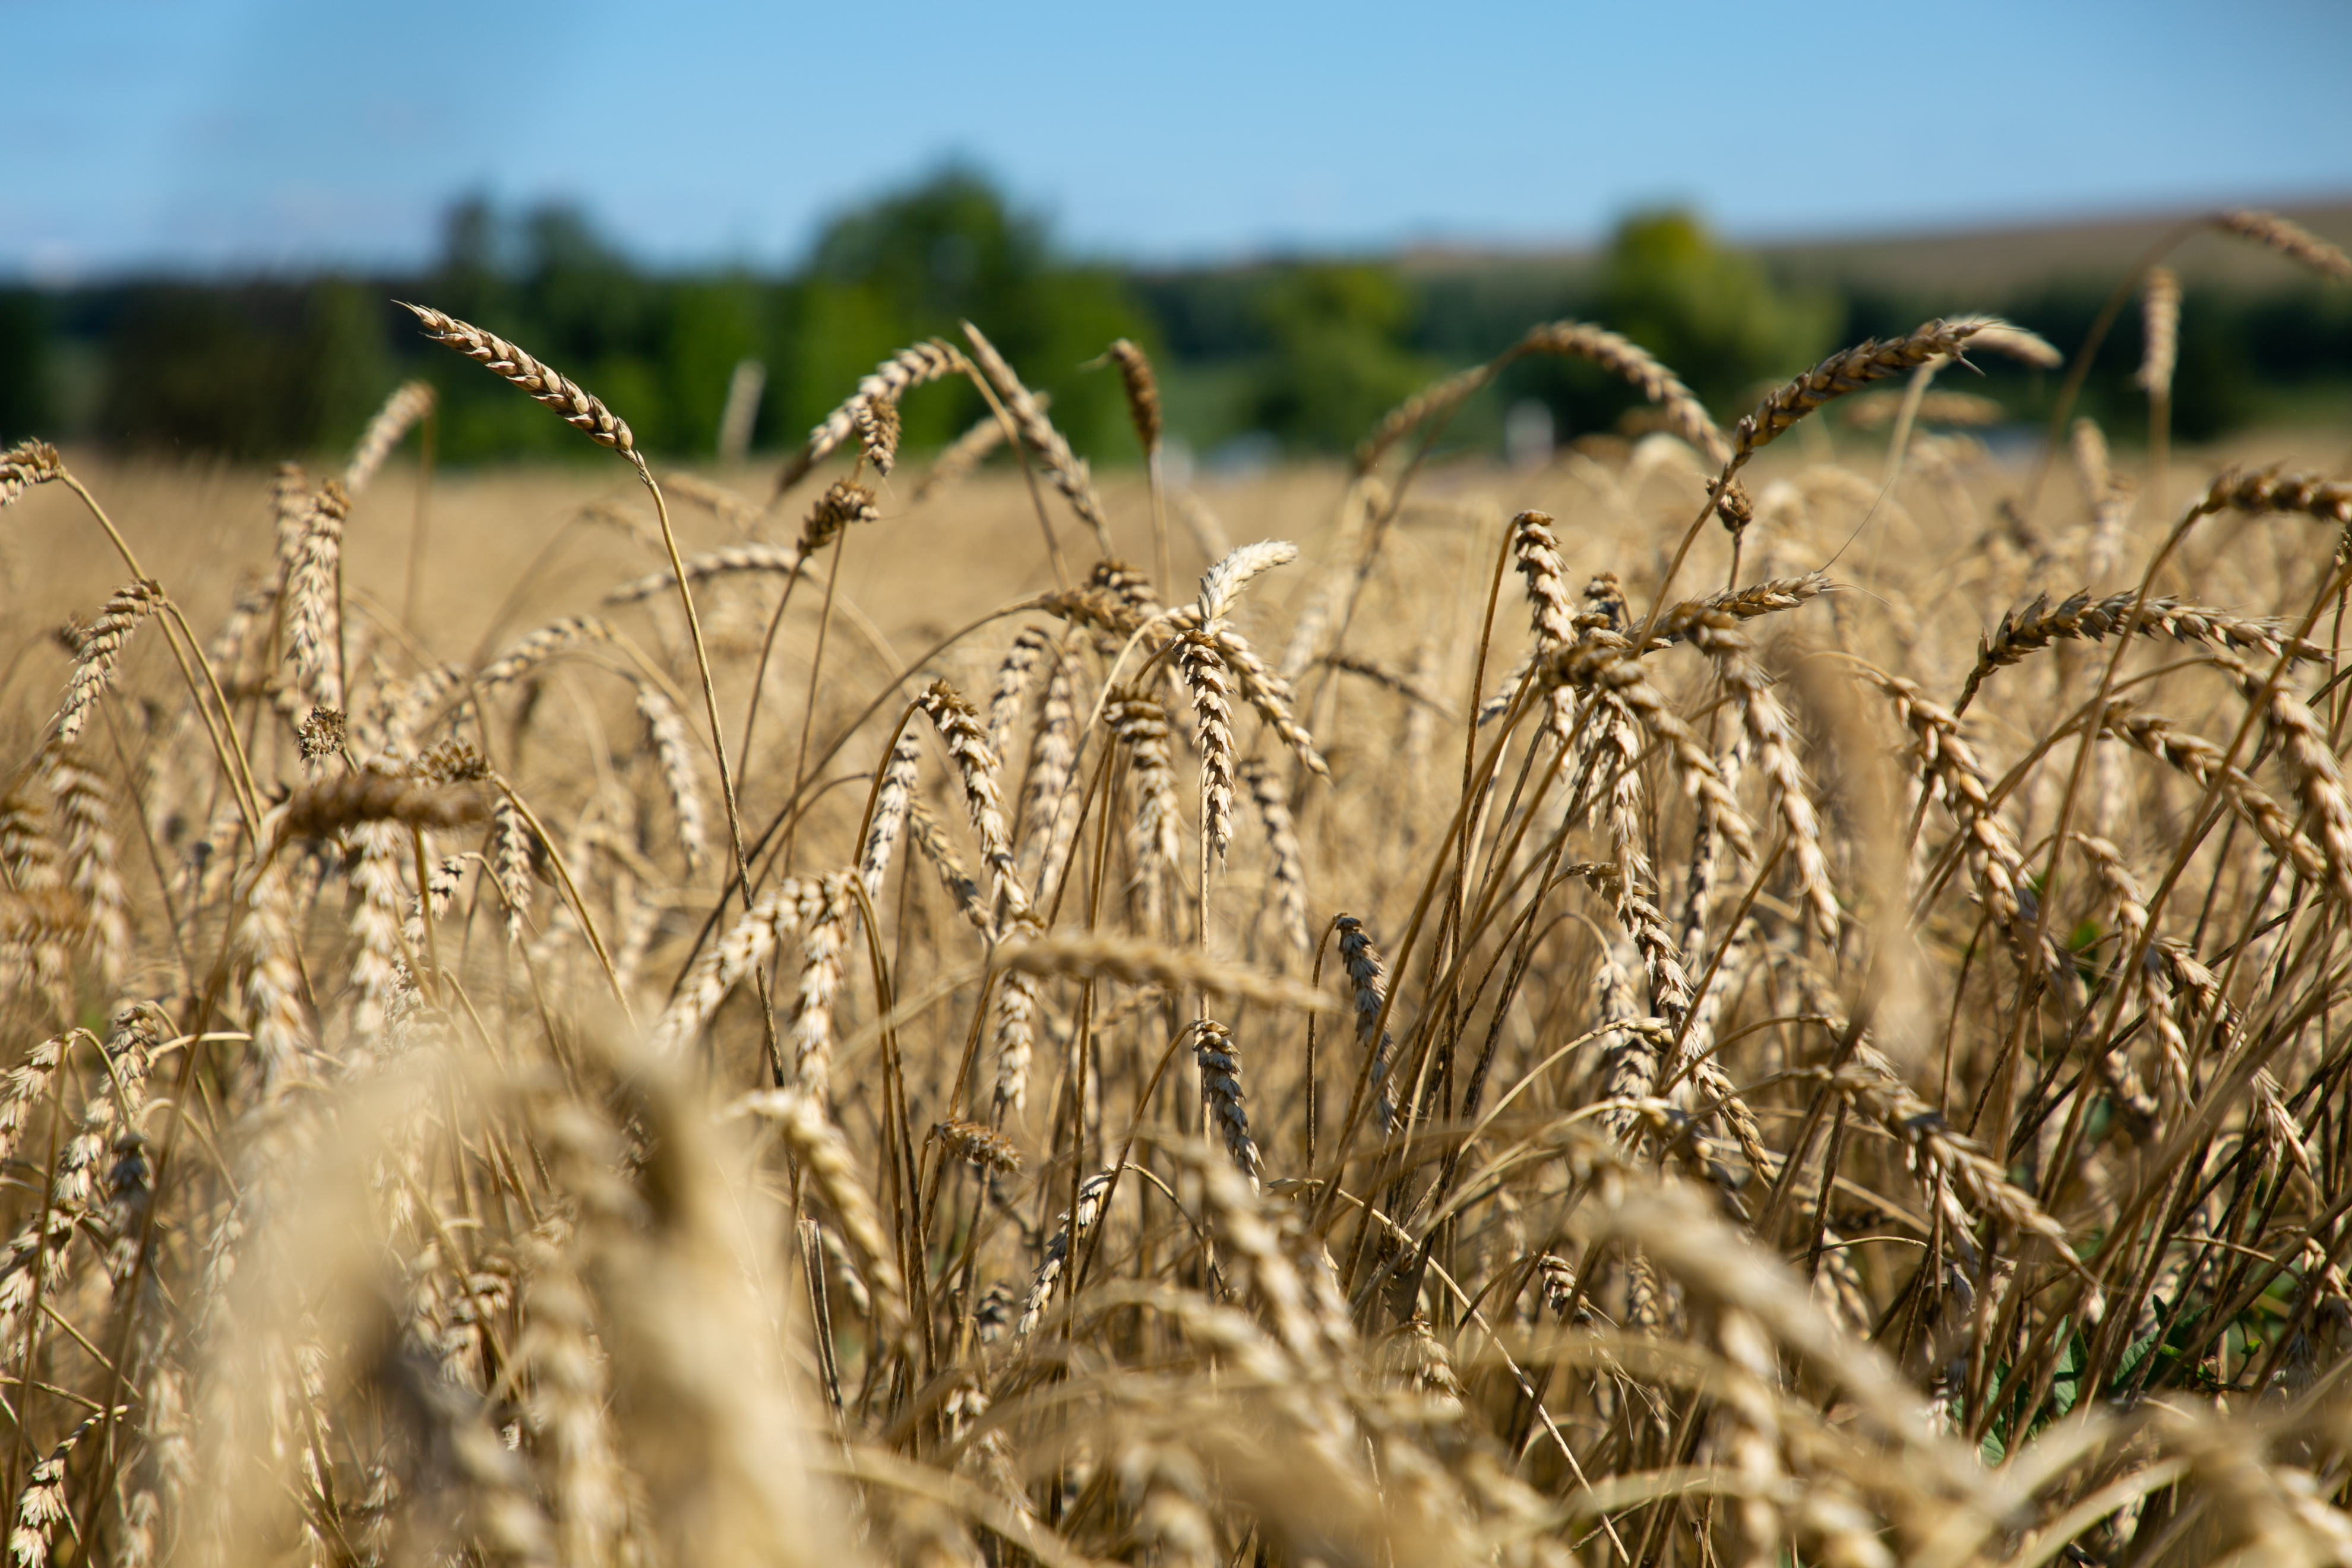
(1712, 315)
(917, 262)
(26, 402)
(1336, 362)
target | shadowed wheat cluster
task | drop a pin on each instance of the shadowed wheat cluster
(1730, 1008)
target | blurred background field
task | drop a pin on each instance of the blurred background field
(1260, 360)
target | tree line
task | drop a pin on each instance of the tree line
(1300, 356)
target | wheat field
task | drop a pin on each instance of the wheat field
(1757, 995)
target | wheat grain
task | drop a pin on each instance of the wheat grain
(2310, 758)
(894, 793)
(825, 1155)
(1774, 753)
(41, 1506)
(1013, 1032)
(2277, 489)
(1047, 816)
(1621, 356)
(1287, 875)
(825, 933)
(784, 910)
(1155, 834)
(2036, 626)
(314, 627)
(1050, 1268)
(844, 502)
(924, 829)
(1222, 584)
(878, 427)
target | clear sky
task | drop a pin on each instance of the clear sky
(284, 133)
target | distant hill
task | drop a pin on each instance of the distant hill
(1991, 262)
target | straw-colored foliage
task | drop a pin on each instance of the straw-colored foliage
(1616, 1047)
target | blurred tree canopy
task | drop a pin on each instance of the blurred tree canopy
(1336, 359)
(1713, 316)
(1306, 353)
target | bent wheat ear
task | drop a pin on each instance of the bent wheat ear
(101, 649)
(26, 464)
(1619, 355)
(1222, 584)
(1850, 370)
(2292, 240)
(930, 359)
(1133, 962)
(2277, 489)
(1064, 468)
(401, 412)
(372, 795)
(779, 559)
(579, 408)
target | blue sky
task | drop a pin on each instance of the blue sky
(210, 133)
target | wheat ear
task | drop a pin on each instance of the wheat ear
(775, 559)
(578, 407)
(25, 465)
(102, 650)
(930, 359)
(2290, 239)
(1064, 466)
(1221, 1093)
(1620, 355)
(408, 405)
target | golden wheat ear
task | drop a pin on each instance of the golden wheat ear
(580, 408)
